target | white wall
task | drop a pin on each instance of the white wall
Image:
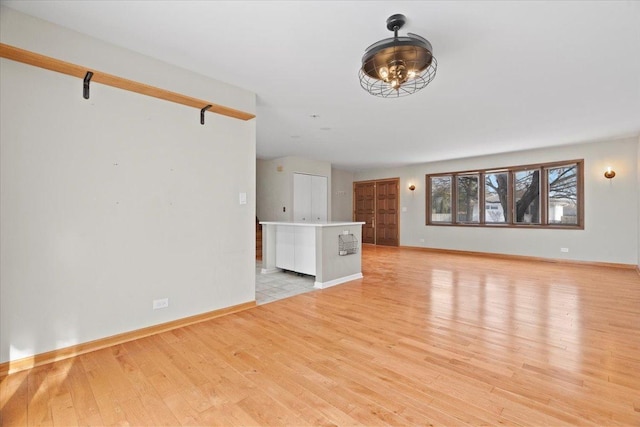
(341, 195)
(638, 192)
(273, 191)
(274, 188)
(611, 206)
(109, 203)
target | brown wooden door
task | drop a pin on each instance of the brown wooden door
(376, 204)
(364, 209)
(387, 212)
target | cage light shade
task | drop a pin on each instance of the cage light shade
(397, 66)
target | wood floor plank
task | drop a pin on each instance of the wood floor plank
(227, 415)
(135, 412)
(181, 409)
(62, 410)
(14, 398)
(423, 338)
(274, 379)
(110, 409)
(82, 397)
(40, 403)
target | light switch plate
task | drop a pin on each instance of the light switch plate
(243, 198)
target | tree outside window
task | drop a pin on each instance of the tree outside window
(495, 197)
(543, 195)
(468, 192)
(527, 196)
(441, 199)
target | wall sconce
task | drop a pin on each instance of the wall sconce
(412, 187)
(609, 173)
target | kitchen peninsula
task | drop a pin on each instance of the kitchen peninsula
(330, 251)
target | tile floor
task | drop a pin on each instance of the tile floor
(274, 286)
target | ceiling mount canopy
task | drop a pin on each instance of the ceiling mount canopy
(397, 66)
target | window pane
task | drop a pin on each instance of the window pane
(509, 196)
(441, 199)
(527, 196)
(563, 194)
(468, 196)
(495, 197)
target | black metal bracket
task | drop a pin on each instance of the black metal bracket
(202, 113)
(87, 80)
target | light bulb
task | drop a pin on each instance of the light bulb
(395, 84)
(411, 74)
(384, 73)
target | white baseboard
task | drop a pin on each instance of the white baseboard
(269, 270)
(323, 285)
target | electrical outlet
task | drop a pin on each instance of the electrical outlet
(160, 303)
(564, 249)
(421, 240)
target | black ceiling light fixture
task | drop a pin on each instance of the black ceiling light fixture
(397, 66)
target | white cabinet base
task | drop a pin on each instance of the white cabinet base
(305, 251)
(296, 249)
(285, 247)
(315, 250)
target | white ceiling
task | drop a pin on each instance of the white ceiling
(511, 75)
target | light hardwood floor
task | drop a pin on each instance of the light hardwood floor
(425, 338)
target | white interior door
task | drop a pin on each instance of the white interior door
(301, 197)
(319, 192)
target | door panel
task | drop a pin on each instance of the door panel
(376, 204)
(301, 197)
(364, 199)
(319, 198)
(310, 198)
(387, 213)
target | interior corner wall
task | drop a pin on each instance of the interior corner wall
(273, 198)
(611, 206)
(109, 203)
(274, 186)
(341, 195)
